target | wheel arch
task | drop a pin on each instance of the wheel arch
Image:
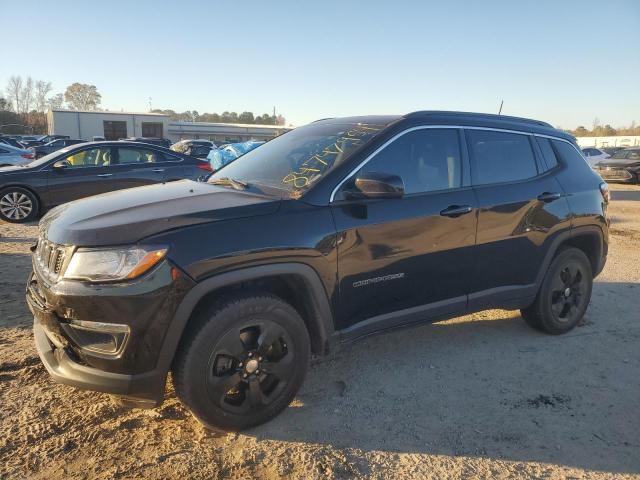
(588, 238)
(311, 301)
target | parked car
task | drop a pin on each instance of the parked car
(330, 232)
(11, 141)
(98, 138)
(228, 153)
(612, 150)
(623, 166)
(195, 148)
(50, 138)
(12, 156)
(47, 148)
(161, 142)
(594, 155)
(32, 140)
(88, 169)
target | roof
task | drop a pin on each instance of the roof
(108, 112)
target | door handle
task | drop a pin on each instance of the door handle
(158, 170)
(102, 175)
(455, 210)
(549, 196)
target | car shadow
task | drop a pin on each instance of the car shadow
(485, 385)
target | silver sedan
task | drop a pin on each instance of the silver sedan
(12, 156)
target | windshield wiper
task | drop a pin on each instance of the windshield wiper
(229, 182)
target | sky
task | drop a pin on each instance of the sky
(565, 62)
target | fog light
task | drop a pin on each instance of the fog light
(98, 337)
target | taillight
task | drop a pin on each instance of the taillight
(205, 166)
(29, 156)
(604, 190)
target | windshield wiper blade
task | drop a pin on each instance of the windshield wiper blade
(236, 184)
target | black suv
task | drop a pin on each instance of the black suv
(333, 231)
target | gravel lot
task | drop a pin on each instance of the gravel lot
(480, 396)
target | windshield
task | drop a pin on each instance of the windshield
(298, 159)
(46, 158)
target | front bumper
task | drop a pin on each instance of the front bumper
(146, 305)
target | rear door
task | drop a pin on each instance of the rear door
(522, 207)
(403, 259)
(137, 166)
(88, 172)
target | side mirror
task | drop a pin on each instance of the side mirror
(377, 185)
(61, 165)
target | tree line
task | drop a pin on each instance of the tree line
(224, 117)
(607, 130)
(24, 103)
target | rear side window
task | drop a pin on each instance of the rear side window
(547, 152)
(500, 157)
(134, 155)
(568, 153)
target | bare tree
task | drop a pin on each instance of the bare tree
(42, 90)
(27, 96)
(81, 96)
(14, 92)
(55, 101)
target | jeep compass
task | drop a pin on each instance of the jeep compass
(333, 231)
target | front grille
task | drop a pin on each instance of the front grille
(50, 258)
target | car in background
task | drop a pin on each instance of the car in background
(594, 155)
(160, 142)
(35, 140)
(47, 148)
(195, 148)
(98, 138)
(623, 166)
(227, 154)
(89, 169)
(12, 156)
(11, 141)
(612, 150)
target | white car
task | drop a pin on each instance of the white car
(13, 157)
(594, 155)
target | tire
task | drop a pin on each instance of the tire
(18, 205)
(564, 295)
(242, 362)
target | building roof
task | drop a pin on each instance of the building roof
(110, 112)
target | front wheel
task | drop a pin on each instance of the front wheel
(242, 362)
(564, 294)
(18, 205)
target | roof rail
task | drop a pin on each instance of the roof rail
(488, 116)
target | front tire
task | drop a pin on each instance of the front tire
(242, 362)
(564, 295)
(18, 205)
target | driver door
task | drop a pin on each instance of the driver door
(87, 172)
(405, 259)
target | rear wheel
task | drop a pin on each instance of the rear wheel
(242, 362)
(18, 205)
(564, 295)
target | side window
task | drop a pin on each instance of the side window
(500, 157)
(93, 157)
(633, 155)
(568, 153)
(137, 155)
(427, 160)
(57, 143)
(547, 152)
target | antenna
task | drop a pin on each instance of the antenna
(500, 110)
(150, 103)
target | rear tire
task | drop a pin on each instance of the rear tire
(18, 205)
(564, 295)
(242, 362)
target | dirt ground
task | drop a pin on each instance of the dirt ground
(480, 396)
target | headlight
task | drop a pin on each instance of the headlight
(109, 264)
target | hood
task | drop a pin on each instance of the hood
(127, 216)
(618, 162)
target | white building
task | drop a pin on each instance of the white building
(116, 125)
(110, 125)
(617, 141)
